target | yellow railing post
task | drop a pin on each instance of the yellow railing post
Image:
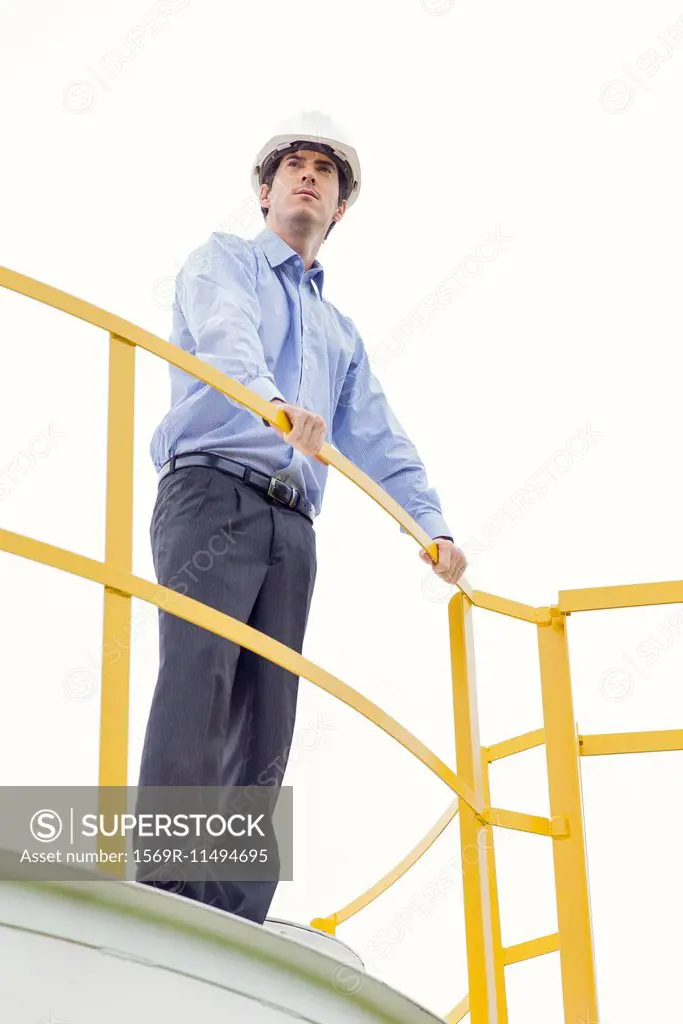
(569, 852)
(498, 953)
(476, 863)
(116, 628)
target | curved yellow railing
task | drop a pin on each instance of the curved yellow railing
(486, 957)
(125, 583)
(330, 923)
(129, 333)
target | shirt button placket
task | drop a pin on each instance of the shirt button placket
(303, 387)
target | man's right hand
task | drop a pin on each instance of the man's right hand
(308, 429)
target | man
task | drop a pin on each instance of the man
(245, 495)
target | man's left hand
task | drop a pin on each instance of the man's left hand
(452, 562)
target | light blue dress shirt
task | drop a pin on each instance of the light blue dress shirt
(247, 308)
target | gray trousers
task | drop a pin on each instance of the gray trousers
(221, 715)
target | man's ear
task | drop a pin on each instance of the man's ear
(339, 213)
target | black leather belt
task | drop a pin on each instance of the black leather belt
(270, 486)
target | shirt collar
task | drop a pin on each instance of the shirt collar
(277, 251)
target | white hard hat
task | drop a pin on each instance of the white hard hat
(342, 153)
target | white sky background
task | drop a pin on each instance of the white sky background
(469, 119)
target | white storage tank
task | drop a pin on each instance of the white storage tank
(111, 952)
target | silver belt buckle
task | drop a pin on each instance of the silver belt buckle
(272, 487)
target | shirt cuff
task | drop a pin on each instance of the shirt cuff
(433, 524)
(266, 388)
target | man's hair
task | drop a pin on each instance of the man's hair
(269, 176)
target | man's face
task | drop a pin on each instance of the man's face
(305, 191)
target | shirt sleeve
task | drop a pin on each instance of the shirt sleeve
(216, 293)
(366, 431)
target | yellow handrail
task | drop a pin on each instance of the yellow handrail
(330, 923)
(487, 957)
(128, 332)
(128, 585)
